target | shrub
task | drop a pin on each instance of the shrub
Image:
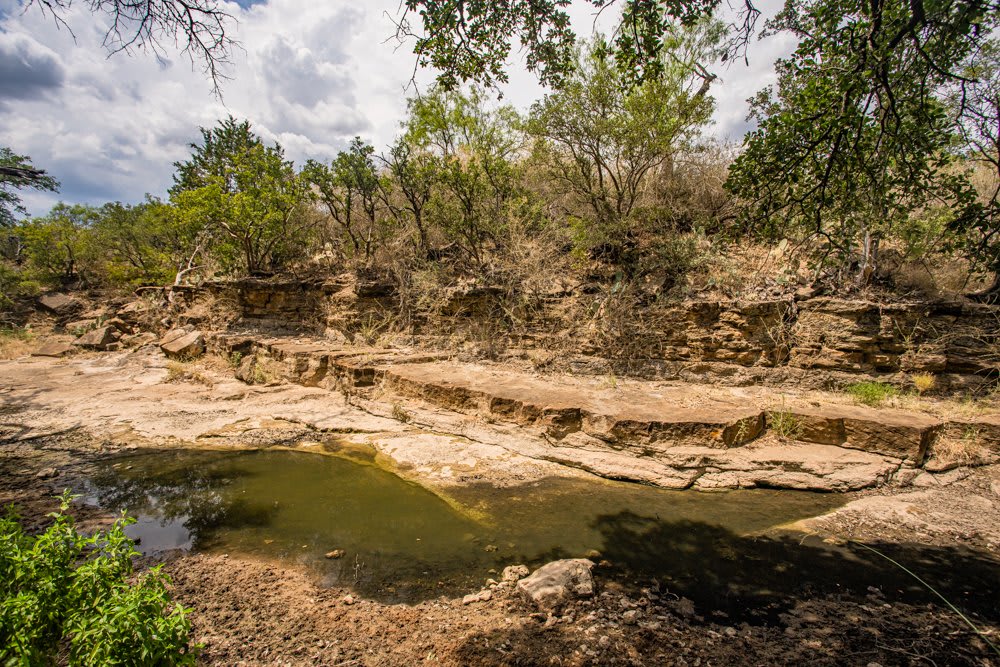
(63, 594)
(871, 393)
(784, 424)
(923, 382)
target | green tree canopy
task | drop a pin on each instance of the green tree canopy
(349, 189)
(245, 194)
(17, 173)
(476, 149)
(856, 137)
(602, 139)
(472, 41)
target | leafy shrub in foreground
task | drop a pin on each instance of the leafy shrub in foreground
(872, 393)
(69, 596)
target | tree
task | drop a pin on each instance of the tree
(975, 103)
(17, 173)
(350, 189)
(246, 193)
(414, 173)
(56, 247)
(472, 41)
(602, 140)
(199, 27)
(856, 138)
(143, 244)
(475, 150)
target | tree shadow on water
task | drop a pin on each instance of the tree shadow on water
(754, 579)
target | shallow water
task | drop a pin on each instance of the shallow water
(403, 542)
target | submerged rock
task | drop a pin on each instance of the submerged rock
(336, 553)
(557, 582)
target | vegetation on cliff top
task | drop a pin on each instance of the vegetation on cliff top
(875, 162)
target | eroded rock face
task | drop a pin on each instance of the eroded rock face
(183, 344)
(100, 338)
(557, 582)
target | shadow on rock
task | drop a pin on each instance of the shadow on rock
(756, 578)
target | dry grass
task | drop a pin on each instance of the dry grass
(399, 414)
(262, 370)
(179, 371)
(956, 448)
(923, 382)
(784, 424)
(16, 343)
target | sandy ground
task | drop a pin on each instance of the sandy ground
(60, 414)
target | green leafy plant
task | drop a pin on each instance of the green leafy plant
(76, 597)
(873, 394)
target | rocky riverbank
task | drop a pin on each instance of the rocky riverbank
(920, 481)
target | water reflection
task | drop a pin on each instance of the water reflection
(402, 542)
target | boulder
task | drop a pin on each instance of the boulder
(98, 339)
(133, 312)
(61, 305)
(53, 349)
(180, 344)
(557, 582)
(80, 326)
(119, 324)
(512, 573)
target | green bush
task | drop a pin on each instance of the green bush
(871, 393)
(74, 597)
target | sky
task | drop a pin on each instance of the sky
(309, 74)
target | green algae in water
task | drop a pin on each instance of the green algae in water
(398, 538)
(403, 542)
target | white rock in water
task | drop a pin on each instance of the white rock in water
(557, 582)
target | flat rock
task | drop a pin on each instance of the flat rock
(98, 339)
(140, 339)
(557, 582)
(54, 349)
(80, 326)
(180, 344)
(59, 304)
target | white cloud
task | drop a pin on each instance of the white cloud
(310, 75)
